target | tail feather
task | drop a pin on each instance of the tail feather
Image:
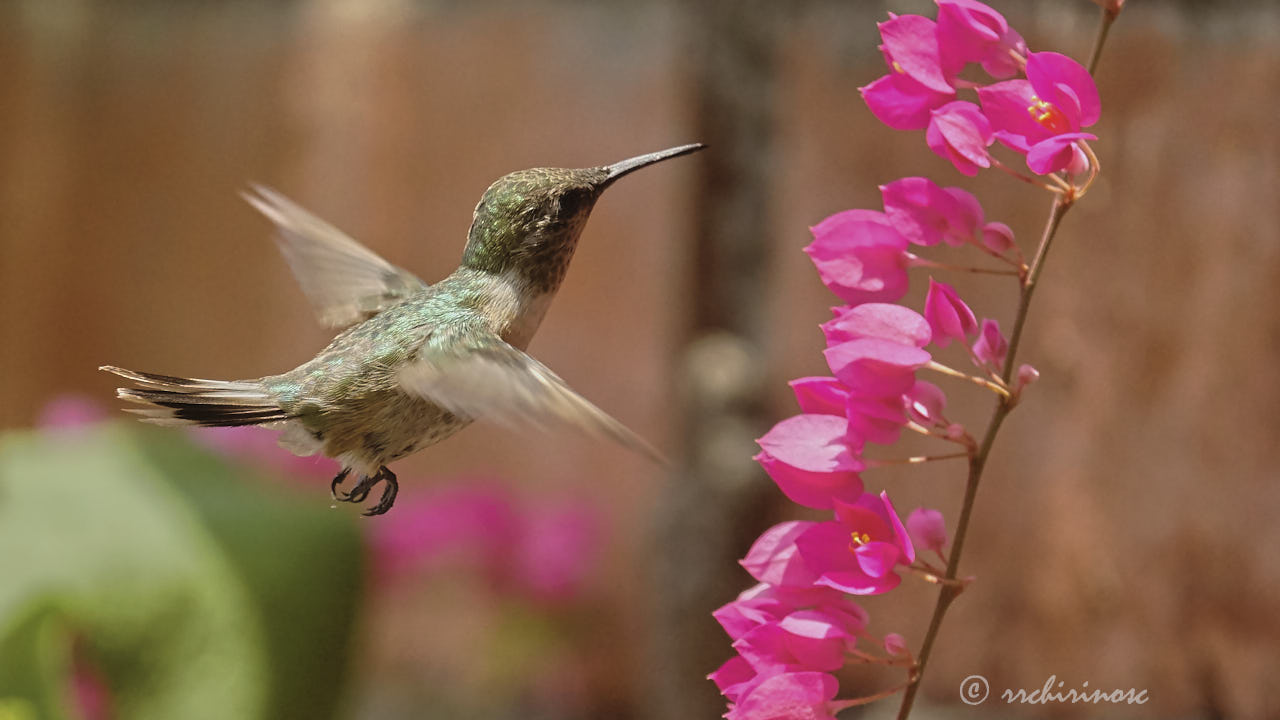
(192, 401)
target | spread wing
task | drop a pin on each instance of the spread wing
(488, 378)
(345, 281)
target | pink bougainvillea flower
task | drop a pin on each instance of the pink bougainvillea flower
(858, 552)
(877, 320)
(990, 347)
(860, 257)
(1058, 97)
(808, 639)
(902, 103)
(872, 367)
(948, 315)
(911, 47)
(960, 133)
(1060, 152)
(809, 458)
(874, 419)
(733, 677)
(790, 696)
(925, 403)
(774, 559)
(895, 644)
(927, 214)
(969, 31)
(820, 395)
(997, 237)
(927, 528)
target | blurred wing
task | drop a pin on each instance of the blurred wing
(487, 378)
(345, 281)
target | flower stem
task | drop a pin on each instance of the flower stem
(949, 587)
(1109, 16)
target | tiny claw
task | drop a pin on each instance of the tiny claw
(338, 480)
(388, 493)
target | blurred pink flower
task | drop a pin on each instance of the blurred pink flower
(960, 133)
(808, 458)
(70, 412)
(860, 257)
(858, 552)
(258, 445)
(543, 550)
(733, 678)
(90, 694)
(948, 315)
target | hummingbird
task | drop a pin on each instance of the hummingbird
(414, 363)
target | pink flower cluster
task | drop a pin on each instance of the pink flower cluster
(799, 624)
(1038, 105)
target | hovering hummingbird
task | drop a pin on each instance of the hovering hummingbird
(415, 363)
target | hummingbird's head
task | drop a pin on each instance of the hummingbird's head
(528, 222)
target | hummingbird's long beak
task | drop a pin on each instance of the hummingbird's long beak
(619, 169)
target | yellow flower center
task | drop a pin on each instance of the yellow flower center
(1048, 115)
(859, 539)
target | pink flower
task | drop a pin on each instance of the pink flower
(820, 395)
(860, 257)
(774, 559)
(1060, 152)
(1058, 97)
(877, 320)
(926, 214)
(969, 31)
(790, 696)
(998, 238)
(927, 528)
(911, 48)
(733, 677)
(871, 367)
(810, 639)
(859, 551)
(948, 315)
(763, 603)
(895, 644)
(874, 419)
(925, 403)
(902, 103)
(990, 347)
(960, 133)
(809, 459)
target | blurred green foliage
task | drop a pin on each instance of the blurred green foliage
(194, 588)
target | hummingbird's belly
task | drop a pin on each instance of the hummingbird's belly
(381, 429)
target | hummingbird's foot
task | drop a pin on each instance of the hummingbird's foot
(388, 492)
(333, 486)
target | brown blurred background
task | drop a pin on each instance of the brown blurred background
(1123, 534)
